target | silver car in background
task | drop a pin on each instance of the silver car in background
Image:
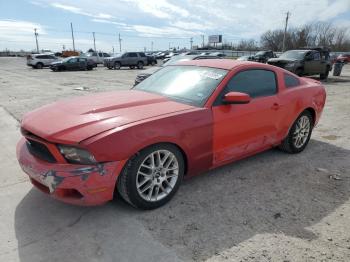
(40, 61)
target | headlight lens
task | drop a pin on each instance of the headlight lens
(76, 155)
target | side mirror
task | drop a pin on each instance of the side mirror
(236, 98)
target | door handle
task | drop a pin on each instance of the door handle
(275, 106)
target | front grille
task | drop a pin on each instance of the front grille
(40, 151)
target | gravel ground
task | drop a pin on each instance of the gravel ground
(270, 207)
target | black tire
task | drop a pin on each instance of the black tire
(39, 65)
(132, 67)
(299, 72)
(289, 144)
(153, 63)
(140, 65)
(128, 179)
(117, 65)
(109, 67)
(54, 69)
(324, 76)
(89, 68)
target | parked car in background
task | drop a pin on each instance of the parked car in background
(218, 54)
(183, 120)
(176, 59)
(161, 55)
(245, 58)
(40, 61)
(151, 60)
(130, 59)
(343, 58)
(169, 56)
(97, 57)
(263, 56)
(313, 61)
(73, 63)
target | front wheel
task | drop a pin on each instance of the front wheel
(152, 177)
(117, 65)
(299, 135)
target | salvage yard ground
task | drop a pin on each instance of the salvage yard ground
(270, 207)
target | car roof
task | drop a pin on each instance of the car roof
(227, 64)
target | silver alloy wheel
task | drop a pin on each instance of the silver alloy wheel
(301, 132)
(157, 175)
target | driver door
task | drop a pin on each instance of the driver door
(243, 129)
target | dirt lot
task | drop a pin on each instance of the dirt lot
(271, 207)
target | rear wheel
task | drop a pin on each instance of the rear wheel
(116, 65)
(39, 65)
(140, 65)
(152, 177)
(299, 135)
(132, 67)
(153, 62)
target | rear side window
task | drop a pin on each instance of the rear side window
(254, 82)
(291, 81)
(142, 55)
(132, 55)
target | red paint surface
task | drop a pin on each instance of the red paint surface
(114, 126)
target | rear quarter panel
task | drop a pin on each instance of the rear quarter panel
(309, 94)
(190, 130)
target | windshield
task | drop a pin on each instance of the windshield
(261, 53)
(188, 84)
(67, 59)
(294, 54)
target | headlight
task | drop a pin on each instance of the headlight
(76, 155)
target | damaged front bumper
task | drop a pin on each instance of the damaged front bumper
(70, 183)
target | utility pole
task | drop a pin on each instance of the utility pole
(202, 40)
(285, 31)
(36, 40)
(113, 49)
(71, 28)
(152, 46)
(191, 41)
(93, 35)
(120, 43)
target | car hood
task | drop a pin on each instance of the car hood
(57, 63)
(73, 120)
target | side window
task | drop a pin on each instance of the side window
(41, 57)
(255, 82)
(73, 60)
(142, 55)
(317, 56)
(132, 55)
(291, 81)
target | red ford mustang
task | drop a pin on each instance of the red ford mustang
(180, 121)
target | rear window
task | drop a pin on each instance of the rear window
(291, 81)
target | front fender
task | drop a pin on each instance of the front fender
(191, 131)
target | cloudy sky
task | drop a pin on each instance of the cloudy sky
(163, 22)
